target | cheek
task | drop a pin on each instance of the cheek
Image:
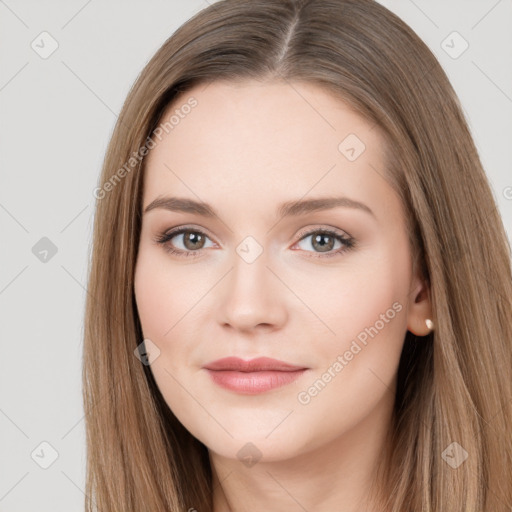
(364, 310)
(357, 366)
(163, 294)
(171, 308)
(346, 301)
(164, 298)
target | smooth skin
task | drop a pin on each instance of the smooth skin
(244, 149)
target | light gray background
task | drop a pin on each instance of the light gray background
(57, 115)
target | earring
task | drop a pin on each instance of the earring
(429, 323)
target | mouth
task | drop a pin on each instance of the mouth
(254, 376)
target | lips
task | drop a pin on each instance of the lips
(259, 364)
(252, 377)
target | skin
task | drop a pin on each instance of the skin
(244, 149)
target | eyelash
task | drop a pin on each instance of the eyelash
(165, 237)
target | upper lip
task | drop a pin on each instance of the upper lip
(254, 365)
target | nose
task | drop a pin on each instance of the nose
(252, 296)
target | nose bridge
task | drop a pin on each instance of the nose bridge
(250, 274)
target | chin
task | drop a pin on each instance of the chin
(250, 446)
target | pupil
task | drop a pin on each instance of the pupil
(192, 239)
(323, 246)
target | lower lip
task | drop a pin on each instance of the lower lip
(253, 383)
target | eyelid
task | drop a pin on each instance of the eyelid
(322, 227)
(186, 227)
(299, 235)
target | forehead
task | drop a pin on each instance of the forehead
(264, 142)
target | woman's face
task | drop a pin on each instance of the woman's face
(249, 282)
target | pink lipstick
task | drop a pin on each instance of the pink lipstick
(254, 376)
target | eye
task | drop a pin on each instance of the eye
(193, 241)
(324, 241)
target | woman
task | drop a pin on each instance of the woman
(300, 283)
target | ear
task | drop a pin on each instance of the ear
(419, 307)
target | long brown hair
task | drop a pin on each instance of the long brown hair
(454, 392)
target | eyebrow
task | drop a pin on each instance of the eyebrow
(287, 209)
